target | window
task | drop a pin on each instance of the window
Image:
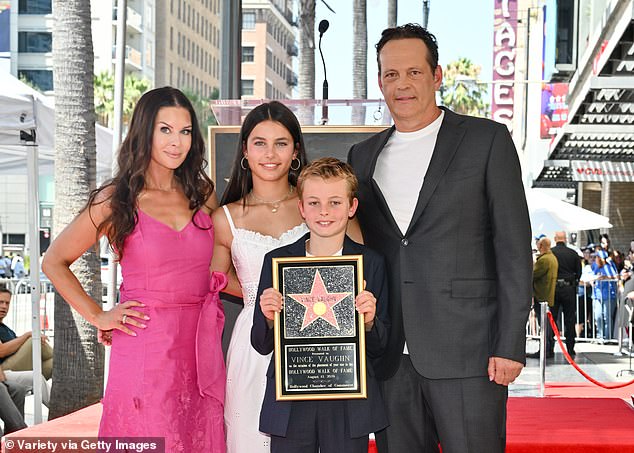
(35, 41)
(248, 20)
(171, 38)
(269, 91)
(13, 239)
(35, 7)
(248, 54)
(269, 58)
(246, 87)
(42, 78)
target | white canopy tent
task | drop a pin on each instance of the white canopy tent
(24, 109)
(549, 215)
(27, 130)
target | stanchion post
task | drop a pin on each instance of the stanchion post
(542, 348)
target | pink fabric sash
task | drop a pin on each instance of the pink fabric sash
(210, 365)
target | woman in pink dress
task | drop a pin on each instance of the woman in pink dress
(166, 376)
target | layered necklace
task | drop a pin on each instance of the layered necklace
(273, 204)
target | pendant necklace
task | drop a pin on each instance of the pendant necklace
(274, 204)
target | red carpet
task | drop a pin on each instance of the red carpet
(570, 425)
(535, 425)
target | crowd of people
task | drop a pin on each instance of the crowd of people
(583, 285)
(444, 340)
(12, 266)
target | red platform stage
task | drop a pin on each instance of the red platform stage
(535, 425)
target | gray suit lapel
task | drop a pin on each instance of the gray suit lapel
(449, 138)
(385, 209)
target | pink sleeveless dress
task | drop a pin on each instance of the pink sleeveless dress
(169, 380)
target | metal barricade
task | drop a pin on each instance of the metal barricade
(19, 316)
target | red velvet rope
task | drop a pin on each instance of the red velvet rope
(572, 362)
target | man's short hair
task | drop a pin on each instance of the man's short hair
(544, 242)
(408, 31)
(5, 289)
(328, 168)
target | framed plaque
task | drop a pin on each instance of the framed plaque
(319, 335)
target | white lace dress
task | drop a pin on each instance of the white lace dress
(246, 368)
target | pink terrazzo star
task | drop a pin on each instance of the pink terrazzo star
(319, 303)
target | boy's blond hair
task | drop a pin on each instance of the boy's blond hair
(328, 168)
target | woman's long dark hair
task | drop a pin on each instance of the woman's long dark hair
(241, 181)
(134, 159)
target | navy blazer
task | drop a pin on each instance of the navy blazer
(364, 415)
(460, 276)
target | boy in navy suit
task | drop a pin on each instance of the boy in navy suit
(326, 190)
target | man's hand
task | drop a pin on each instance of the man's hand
(504, 371)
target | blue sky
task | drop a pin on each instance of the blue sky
(463, 28)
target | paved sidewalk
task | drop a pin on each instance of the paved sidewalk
(598, 360)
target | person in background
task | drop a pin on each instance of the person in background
(12, 396)
(604, 296)
(166, 377)
(544, 283)
(436, 187)
(17, 266)
(5, 267)
(568, 275)
(16, 352)
(584, 293)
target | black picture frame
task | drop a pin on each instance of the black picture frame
(319, 335)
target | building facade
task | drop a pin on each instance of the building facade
(188, 45)
(578, 67)
(268, 47)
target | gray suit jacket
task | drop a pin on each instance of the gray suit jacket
(460, 277)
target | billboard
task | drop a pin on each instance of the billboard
(554, 113)
(504, 43)
(5, 35)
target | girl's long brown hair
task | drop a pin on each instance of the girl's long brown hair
(134, 158)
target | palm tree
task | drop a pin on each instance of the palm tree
(306, 49)
(78, 358)
(392, 13)
(359, 58)
(359, 50)
(134, 88)
(461, 91)
(203, 111)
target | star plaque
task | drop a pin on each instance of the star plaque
(319, 335)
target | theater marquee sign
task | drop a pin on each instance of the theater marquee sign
(504, 43)
(583, 171)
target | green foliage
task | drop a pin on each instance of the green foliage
(461, 91)
(203, 111)
(104, 96)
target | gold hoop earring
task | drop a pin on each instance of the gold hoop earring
(242, 165)
(299, 164)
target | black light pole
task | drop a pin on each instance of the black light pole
(426, 12)
(323, 26)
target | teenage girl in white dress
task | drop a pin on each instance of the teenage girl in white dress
(260, 213)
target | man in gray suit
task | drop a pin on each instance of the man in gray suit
(435, 191)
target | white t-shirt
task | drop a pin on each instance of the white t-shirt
(401, 168)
